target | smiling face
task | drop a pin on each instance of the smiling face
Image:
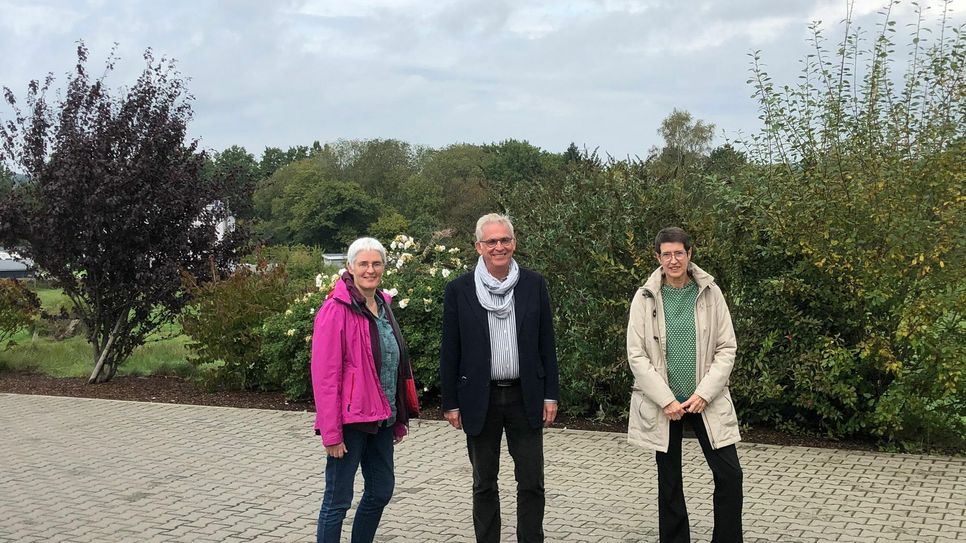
(674, 261)
(367, 270)
(496, 246)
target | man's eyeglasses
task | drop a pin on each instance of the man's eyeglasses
(491, 243)
(678, 255)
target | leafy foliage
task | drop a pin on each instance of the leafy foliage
(19, 306)
(225, 321)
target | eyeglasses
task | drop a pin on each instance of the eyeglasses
(678, 255)
(377, 265)
(491, 243)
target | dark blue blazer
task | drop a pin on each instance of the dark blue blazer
(464, 367)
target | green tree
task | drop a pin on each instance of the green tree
(306, 204)
(238, 172)
(686, 144)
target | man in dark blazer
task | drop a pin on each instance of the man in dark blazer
(498, 367)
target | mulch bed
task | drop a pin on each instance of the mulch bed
(162, 389)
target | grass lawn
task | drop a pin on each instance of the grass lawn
(73, 357)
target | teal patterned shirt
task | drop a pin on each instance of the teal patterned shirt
(390, 361)
(682, 339)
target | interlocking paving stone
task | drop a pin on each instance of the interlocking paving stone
(83, 470)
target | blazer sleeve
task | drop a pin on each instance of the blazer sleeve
(548, 346)
(449, 348)
(328, 340)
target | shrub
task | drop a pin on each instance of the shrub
(225, 323)
(301, 263)
(286, 342)
(419, 276)
(19, 306)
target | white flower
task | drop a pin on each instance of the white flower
(439, 248)
(427, 301)
(318, 281)
(445, 273)
(308, 339)
(291, 332)
(409, 243)
(288, 311)
(393, 245)
(454, 250)
(393, 292)
(432, 272)
(403, 303)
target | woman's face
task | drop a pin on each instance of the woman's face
(367, 270)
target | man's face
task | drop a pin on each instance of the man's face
(674, 260)
(496, 247)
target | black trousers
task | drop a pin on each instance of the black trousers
(672, 511)
(506, 412)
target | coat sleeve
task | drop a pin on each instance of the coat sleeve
(449, 349)
(548, 346)
(725, 347)
(328, 347)
(645, 374)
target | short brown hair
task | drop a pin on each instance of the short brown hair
(672, 234)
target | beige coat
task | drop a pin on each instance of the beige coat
(646, 353)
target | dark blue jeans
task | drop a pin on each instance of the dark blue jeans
(374, 453)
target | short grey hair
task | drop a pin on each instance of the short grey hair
(365, 244)
(493, 217)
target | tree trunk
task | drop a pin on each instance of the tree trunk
(102, 373)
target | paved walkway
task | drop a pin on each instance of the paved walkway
(80, 470)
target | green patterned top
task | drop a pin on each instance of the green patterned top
(682, 339)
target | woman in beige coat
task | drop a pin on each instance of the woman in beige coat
(681, 349)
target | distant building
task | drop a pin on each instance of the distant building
(14, 266)
(334, 259)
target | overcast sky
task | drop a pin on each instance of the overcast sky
(601, 73)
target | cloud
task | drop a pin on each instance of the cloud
(598, 72)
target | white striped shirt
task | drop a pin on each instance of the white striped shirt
(504, 352)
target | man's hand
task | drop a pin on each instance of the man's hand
(549, 413)
(396, 440)
(454, 418)
(694, 404)
(674, 410)
(336, 451)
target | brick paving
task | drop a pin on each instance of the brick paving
(82, 470)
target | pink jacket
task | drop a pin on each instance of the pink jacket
(344, 377)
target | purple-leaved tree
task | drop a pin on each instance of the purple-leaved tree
(113, 204)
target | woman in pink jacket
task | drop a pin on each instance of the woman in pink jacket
(364, 393)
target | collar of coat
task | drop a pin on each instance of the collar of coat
(699, 276)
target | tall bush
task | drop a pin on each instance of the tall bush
(225, 323)
(858, 189)
(19, 306)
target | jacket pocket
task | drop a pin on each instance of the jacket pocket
(643, 413)
(723, 419)
(352, 390)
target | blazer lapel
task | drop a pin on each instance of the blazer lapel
(477, 308)
(522, 300)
